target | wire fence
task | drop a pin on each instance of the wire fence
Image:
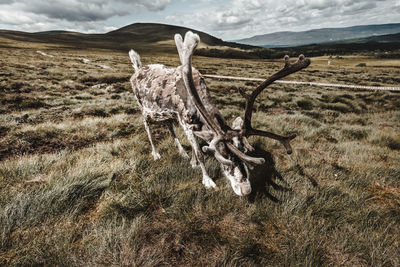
(384, 88)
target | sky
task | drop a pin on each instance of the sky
(229, 20)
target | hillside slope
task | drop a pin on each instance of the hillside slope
(141, 36)
(154, 38)
(320, 35)
(152, 32)
(387, 38)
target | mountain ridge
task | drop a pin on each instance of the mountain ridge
(154, 38)
(322, 35)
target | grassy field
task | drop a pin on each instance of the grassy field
(78, 185)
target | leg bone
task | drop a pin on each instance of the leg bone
(207, 181)
(182, 151)
(154, 152)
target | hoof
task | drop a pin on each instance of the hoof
(156, 155)
(194, 163)
(184, 154)
(209, 183)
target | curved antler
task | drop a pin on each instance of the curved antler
(247, 129)
(223, 133)
(213, 148)
(185, 50)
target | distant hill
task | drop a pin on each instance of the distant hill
(387, 38)
(317, 36)
(145, 37)
(158, 38)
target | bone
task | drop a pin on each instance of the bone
(43, 53)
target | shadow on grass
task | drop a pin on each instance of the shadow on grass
(265, 176)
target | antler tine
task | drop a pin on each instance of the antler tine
(285, 140)
(179, 45)
(213, 148)
(251, 161)
(288, 69)
(185, 50)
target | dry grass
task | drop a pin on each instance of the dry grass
(78, 185)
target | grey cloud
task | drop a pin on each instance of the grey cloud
(228, 21)
(74, 10)
(303, 12)
(359, 8)
(76, 15)
(233, 20)
(155, 5)
(251, 17)
(321, 5)
(85, 10)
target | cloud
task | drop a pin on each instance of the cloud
(74, 10)
(39, 15)
(229, 20)
(246, 18)
(154, 5)
(87, 10)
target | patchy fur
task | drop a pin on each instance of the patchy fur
(162, 94)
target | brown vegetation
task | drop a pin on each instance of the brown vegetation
(78, 185)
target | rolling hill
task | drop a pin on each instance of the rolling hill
(387, 38)
(158, 38)
(152, 33)
(317, 36)
(141, 36)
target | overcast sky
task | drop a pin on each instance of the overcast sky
(225, 19)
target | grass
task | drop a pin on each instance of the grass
(78, 185)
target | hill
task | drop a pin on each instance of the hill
(158, 38)
(387, 38)
(317, 36)
(152, 33)
(145, 37)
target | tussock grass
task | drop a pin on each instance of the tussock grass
(305, 104)
(387, 139)
(103, 79)
(28, 209)
(78, 185)
(354, 132)
(72, 134)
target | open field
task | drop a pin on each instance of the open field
(78, 185)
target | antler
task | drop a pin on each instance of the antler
(185, 50)
(223, 133)
(247, 129)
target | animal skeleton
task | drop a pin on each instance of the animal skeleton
(167, 94)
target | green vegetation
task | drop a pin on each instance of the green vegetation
(388, 50)
(78, 185)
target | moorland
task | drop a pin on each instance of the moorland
(79, 187)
